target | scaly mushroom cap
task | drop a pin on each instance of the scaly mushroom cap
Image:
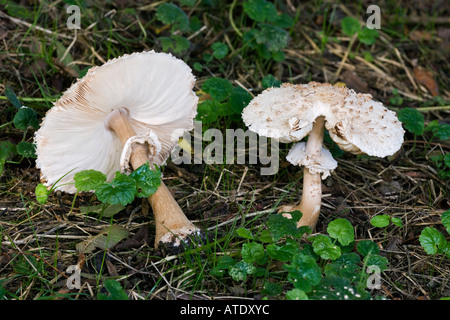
(354, 121)
(155, 89)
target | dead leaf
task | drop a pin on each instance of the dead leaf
(425, 77)
(420, 35)
(106, 239)
(111, 269)
(355, 82)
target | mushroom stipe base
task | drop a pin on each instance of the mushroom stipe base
(176, 245)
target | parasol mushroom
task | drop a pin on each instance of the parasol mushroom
(354, 121)
(119, 116)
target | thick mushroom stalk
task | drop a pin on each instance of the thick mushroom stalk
(312, 189)
(172, 226)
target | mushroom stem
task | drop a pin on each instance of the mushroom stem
(170, 219)
(312, 184)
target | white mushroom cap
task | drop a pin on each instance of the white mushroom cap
(155, 89)
(355, 122)
(322, 163)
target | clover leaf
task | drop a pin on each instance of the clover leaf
(218, 88)
(252, 252)
(147, 180)
(42, 193)
(169, 13)
(26, 149)
(121, 189)
(324, 247)
(445, 218)
(220, 50)
(304, 272)
(412, 120)
(280, 226)
(342, 230)
(241, 270)
(88, 180)
(24, 118)
(350, 26)
(432, 240)
(260, 10)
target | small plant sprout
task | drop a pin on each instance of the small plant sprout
(354, 121)
(130, 111)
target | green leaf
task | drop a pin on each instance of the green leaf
(304, 272)
(88, 180)
(122, 189)
(432, 240)
(244, 233)
(26, 149)
(198, 66)
(115, 291)
(169, 13)
(325, 248)
(265, 236)
(439, 130)
(16, 10)
(280, 226)
(181, 44)
(296, 294)
(283, 21)
(273, 37)
(445, 218)
(380, 221)
(9, 93)
(271, 289)
(342, 230)
(147, 180)
(239, 99)
(260, 10)
(241, 270)
(24, 118)
(376, 260)
(270, 81)
(42, 193)
(207, 111)
(350, 26)
(176, 43)
(218, 88)
(346, 266)
(413, 120)
(397, 221)
(445, 249)
(366, 247)
(220, 50)
(252, 252)
(282, 253)
(7, 150)
(223, 263)
(368, 36)
(166, 43)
